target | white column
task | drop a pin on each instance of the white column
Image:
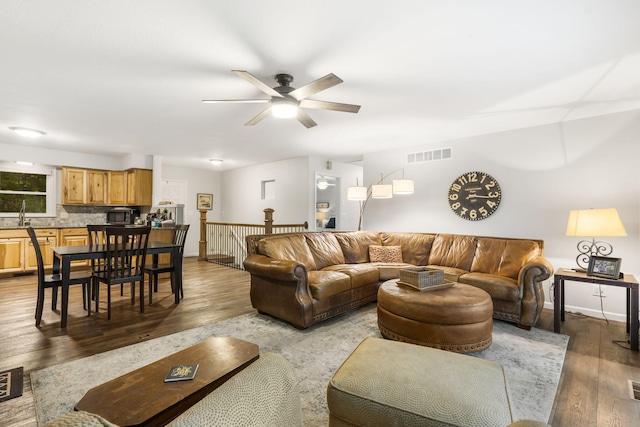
(157, 179)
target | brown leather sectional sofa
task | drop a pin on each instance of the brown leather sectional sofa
(304, 278)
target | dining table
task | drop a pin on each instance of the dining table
(64, 255)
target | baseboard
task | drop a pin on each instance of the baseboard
(618, 317)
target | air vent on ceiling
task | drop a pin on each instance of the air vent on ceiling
(427, 156)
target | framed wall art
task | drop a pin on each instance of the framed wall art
(205, 201)
(601, 266)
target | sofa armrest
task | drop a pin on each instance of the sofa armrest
(276, 269)
(530, 279)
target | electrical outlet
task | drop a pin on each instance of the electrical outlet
(599, 291)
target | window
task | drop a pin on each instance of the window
(33, 184)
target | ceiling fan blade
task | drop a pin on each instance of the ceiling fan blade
(257, 83)
(316, 86)
(326, 105)
(305, 119)
(257, 119)
(239, 101)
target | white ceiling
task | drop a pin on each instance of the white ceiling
(127, 76)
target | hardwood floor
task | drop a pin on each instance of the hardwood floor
(593, 391)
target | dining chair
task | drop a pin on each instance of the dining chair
(156, 269)
(126, 250)
(54, 281)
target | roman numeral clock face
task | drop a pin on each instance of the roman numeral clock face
(474, 196)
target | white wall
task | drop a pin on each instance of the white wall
(242, 192)
(198, 181)
(294, 183)
(544, 172)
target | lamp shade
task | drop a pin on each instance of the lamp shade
(357, 193)
(382, 191)
(595, 222)
(402, 186)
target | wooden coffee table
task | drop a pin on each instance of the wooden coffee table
(142, 397)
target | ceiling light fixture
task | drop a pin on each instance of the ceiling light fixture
(26, 132)
(23, 163)
(322, 184)
(284, 109)
(216, 162)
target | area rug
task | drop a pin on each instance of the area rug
(11, 383)
(532, 360)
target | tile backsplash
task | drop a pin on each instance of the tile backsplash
(66, 216)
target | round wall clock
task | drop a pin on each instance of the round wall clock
(474, 196)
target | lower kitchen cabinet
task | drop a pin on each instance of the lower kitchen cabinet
(75, 237)
(17, 253)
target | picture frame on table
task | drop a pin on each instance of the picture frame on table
(601, 266)
(205, 202)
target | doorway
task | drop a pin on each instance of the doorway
(327, 202)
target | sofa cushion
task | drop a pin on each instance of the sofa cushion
(355, 245)
(499, 287)
(324, 284)
(416, 247)
(503, 257)
(450, 273)
(325, 249)
(391, 270)
(290, 247)
(360, 274)
(451, 250)
(379, 253)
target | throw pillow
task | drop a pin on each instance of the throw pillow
(379, 253)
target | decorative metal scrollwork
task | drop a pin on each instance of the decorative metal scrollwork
(589, 248)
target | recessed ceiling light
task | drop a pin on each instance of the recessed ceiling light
(216, 161)
(29, 133)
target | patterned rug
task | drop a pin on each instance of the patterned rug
(532, 360)
(11, 383)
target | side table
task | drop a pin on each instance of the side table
(628, 281)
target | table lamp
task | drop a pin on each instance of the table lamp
(594, 223)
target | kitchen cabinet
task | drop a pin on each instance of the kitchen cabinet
(75, 237)
(84, 186)
(74, 186)
(96, 187)
(17, 253)
(139, 186)
(117, 188)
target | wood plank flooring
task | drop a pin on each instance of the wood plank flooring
(593, 389)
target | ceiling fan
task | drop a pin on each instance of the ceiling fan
(287, 101)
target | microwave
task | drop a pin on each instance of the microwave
(122, 216)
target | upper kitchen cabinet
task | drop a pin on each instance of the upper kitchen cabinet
(117, 186)
(95, 187)
(84, 186)
(74, 186)
(139, 187)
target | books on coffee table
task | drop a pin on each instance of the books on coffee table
(181, 373)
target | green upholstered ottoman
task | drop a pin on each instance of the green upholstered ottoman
(389, 383)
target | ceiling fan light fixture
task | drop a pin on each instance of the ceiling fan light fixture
(284, 109)
(26, 132)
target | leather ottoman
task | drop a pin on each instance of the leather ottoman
(458, 319)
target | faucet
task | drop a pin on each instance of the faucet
(21, 214)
